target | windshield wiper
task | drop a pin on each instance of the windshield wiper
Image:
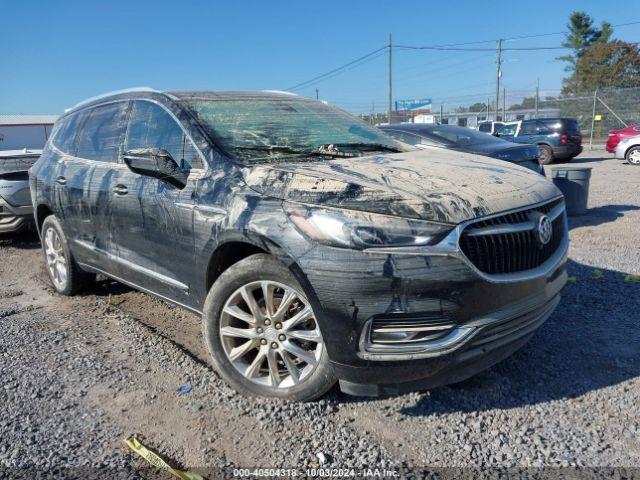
(289, 149)
(363, 146)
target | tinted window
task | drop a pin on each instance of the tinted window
(529, 128)
(65, 137)
(552, 124)
(101, 134)
(406, 137)
(457, 136)
(151, 126)
(485, 127)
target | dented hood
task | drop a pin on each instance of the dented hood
(442, 186)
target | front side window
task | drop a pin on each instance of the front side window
(151, 126)
(101, 134)
(270, 129)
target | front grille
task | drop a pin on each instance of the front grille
(512, 249)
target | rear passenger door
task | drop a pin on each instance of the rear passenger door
(86, 178)
(153, 220)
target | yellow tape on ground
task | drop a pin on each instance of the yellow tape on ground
(135, 445)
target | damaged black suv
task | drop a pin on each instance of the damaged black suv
(315, 249)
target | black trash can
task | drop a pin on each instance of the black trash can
(573, 182)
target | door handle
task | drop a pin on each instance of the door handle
(61, 180)
(120, 190)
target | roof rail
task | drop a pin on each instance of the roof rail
(108, 94)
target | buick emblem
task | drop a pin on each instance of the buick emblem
(545, 230)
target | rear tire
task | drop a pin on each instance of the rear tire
(65, 274)
(546, 155)
(633, 156)
(262, 334)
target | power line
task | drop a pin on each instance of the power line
(460, 47)
(314, 79)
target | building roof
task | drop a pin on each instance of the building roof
(19, 119)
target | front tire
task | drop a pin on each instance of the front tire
(633, 156)
(262, 334)
(65, 274)
(546, 155)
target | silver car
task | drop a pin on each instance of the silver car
(629, 150)
(16, 212)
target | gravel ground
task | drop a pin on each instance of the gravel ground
(81, 374)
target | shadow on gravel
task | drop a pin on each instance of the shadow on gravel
(27, 240)
(599, 215)
(589, 343)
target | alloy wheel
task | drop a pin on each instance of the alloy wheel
(56, 259)
(270, 335)
(634, 156)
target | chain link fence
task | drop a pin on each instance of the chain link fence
(597, 112)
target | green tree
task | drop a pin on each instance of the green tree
(581, 37)
(613, 64)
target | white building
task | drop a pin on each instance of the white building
(25, 131)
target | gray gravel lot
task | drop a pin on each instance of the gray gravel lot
(78, 375)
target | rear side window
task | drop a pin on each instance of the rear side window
(571, 124)
(65, 137)
(485, 127)
(529, 128)
(151, 126)
(101, 134)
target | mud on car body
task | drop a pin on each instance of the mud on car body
(315, 249)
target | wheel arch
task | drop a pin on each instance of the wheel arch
(41, 212)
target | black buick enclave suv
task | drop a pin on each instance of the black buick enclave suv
(314, 248)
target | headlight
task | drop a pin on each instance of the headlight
(360, 230)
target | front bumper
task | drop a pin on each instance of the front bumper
(349, 288)
(14, 219)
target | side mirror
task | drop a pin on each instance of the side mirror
(496, 133)
(155, 163)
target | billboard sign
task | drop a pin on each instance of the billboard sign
(413, 104)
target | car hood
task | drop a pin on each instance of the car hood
(442, 186)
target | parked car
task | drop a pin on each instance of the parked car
(16, 212)
(463, 139)
(558, 138)
(629, 149)
(314, 249)
(616, 135)
(489, 127)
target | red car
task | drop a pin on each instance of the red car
(616, 135)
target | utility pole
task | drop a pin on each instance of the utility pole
(316, 94)
(488, 109)
(441, 107)
(537, 96)
(373, 113)
(498, 73)
(504, 104)
(390, 81)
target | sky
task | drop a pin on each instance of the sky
(57, 53)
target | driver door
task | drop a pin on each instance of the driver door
(154, 219)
